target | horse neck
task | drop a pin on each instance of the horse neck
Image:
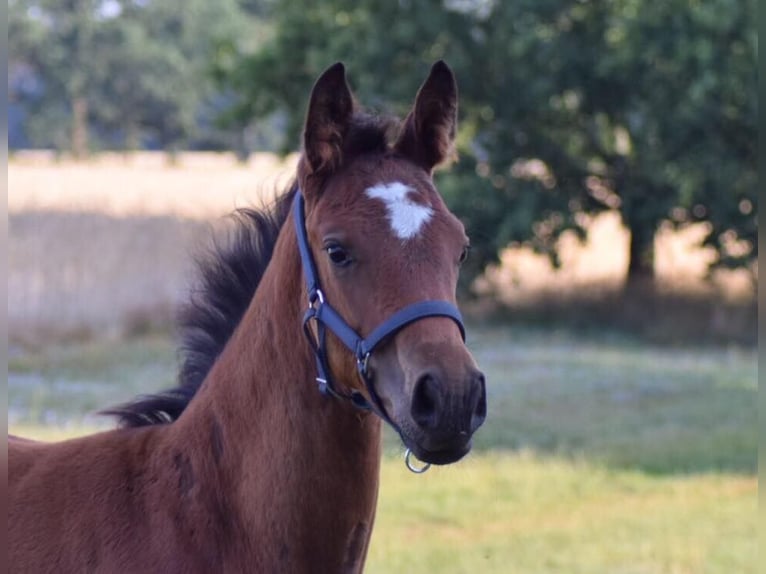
(289, 459)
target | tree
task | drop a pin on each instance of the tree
(55, 37)
(567, 109)
(125, 71)
(641, 107)
(307, 37)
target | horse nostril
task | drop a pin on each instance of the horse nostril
(425, 402)
(478, 401)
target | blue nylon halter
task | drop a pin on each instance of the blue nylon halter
(326, 317)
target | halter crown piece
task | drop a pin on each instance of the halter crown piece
(325, 317)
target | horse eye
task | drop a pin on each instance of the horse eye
(464, 254)
(338, 255)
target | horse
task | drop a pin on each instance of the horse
(327, 315)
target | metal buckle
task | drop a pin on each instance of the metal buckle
(315, 296)
(362, 364)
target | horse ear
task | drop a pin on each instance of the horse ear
(429, 129)
(331, 106)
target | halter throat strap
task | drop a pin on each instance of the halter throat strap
(326, 318)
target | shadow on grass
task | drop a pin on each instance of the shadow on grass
(663, 315)
(618, 403)
(632, 406)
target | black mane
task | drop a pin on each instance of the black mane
(229, 274)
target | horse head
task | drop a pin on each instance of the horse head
(382, 240)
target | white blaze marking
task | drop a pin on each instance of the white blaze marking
(406, 216)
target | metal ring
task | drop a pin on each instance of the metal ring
(411, 467)
(315, 296)
(362, 364)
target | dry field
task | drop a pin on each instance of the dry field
(104, 247)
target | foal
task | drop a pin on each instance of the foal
(247, 467)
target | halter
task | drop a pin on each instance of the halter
(325, 317)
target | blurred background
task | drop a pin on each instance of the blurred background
(607, 179)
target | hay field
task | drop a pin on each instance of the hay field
(105, 247)
(197, 186)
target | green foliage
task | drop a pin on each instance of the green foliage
(386, 60)
(143, 68)
(54, 38)
(568, 108)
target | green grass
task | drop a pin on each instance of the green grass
(504, 513)
(620, 403)
(65, 385)
(598, 455)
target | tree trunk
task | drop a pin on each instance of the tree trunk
(241, 147)
(79, 127)
(641, 259)
(132, 136)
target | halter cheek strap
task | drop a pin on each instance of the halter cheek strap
(325, 317)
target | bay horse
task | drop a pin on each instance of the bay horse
(246, 466)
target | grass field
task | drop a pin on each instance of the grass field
(600, 455)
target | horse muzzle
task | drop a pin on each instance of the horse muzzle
(443, 416)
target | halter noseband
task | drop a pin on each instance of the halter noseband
(326, 317)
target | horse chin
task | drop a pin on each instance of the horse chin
(441, 456)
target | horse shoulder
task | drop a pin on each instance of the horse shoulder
(21, 456)
(97, 485)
